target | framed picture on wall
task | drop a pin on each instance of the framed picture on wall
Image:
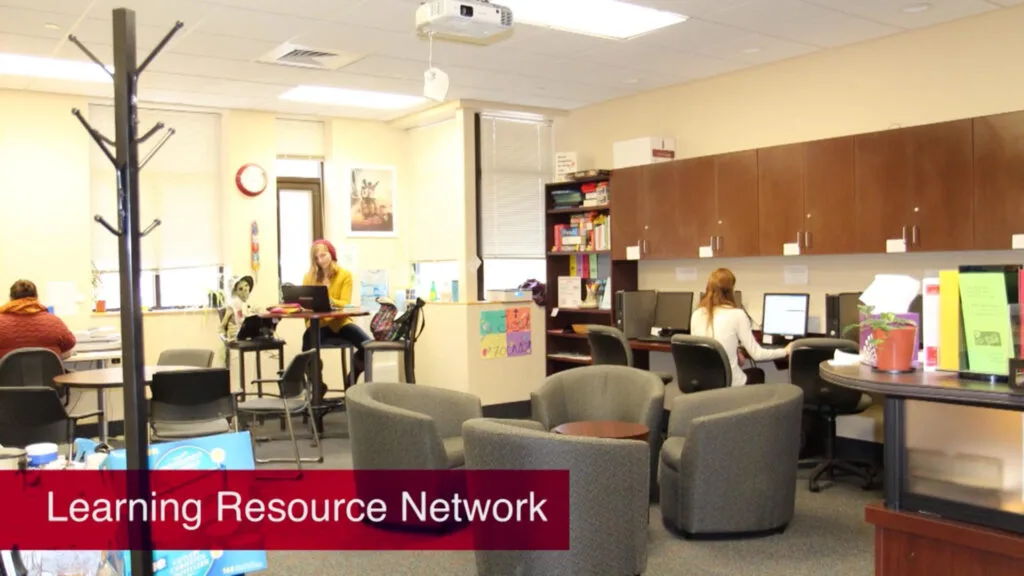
(373, 201)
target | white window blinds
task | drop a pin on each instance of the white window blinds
(516, 160)
(300, 137)
(180, 186)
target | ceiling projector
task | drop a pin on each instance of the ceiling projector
(465, 19)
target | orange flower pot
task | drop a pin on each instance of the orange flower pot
(101, 305)
(895, 349)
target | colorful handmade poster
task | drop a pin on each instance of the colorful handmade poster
(519, 319)
(492, 322)
(505, 333)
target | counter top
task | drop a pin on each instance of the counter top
(946, 387)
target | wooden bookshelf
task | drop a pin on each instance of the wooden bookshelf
(565, 348)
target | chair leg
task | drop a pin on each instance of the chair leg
(295, 444)
(862, 470)
(368, 366)
(291, 434)
(316, 435)
(409, 359)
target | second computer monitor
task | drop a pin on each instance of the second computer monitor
(673, 311)
(784, 317)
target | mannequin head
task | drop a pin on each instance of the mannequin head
(243, 288)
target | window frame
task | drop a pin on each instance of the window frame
(157, 293)
(316, 189)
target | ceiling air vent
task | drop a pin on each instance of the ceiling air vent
(306, 57)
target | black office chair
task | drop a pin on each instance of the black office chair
(828, 401)
(197, 357)
(191, 403)
(32, 414)
(610, 346)
(33, 367)
(701, 363)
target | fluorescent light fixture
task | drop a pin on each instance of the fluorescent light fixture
(52, 68)
(351, 98)
(611, 19)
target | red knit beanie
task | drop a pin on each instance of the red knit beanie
(330, 248)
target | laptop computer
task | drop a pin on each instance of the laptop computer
(254, 327)
(313, 298)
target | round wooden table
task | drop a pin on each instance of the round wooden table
(605, 429)
(101, 380)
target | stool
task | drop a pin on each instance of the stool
(406, 347)
(347, 351)
(256, 346)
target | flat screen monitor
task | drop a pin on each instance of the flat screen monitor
(784, 316)
(673, 311)
(849, 314)
(737, 293)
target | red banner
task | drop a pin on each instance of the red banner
(288, 510)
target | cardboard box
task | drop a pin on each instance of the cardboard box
(641, 151)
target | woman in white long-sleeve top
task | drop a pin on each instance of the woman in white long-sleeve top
(718, 317)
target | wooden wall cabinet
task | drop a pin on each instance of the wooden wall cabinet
(915, 184)
(649, 202)
(807, 198)
(625, 190)
(998, 180)
(736, 201)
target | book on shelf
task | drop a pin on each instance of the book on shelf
(591, 231)
(591, 194)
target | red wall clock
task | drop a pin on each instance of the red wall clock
(251, 179)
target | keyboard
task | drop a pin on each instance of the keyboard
(659, 339)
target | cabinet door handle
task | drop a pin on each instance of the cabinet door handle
(719, 242)
(807, 239)
(645, 247)
(913, 234)
(712, 243)
(797, 238)
(904, 234)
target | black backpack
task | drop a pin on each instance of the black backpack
(402, 327)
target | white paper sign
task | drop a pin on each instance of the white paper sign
(655, 331)
(794, 275)
(705, 252)
(686, 274)
(632, 252)
(1018, 241)
(790, 249)
(895, 246)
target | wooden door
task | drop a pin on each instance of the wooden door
(998, 180)
(736, 195)
(661, 205)
(884, 189)
(830, 197)
(696, 179)
(625, 191)
(780, 196)
(942, 164)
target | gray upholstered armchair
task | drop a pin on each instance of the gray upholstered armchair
(608, 504)
(728, 466)
(603, 393)
(406, 427)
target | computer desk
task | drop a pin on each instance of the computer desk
(642, 349)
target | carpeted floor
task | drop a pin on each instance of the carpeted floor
(827, 536)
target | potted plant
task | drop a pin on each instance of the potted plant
(98, 304)
(892, 339)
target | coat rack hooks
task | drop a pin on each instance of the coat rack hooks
(126, 163)
(159, 145)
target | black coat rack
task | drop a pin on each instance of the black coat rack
(125, 159)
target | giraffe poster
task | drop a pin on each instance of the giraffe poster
(373, 201)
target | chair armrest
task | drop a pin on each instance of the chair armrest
(239, 394)
(84, 415)
(689, 407)
(386, 346)
(520, 423)
(547, 406)
(264, 380)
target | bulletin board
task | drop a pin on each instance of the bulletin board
(505, 333)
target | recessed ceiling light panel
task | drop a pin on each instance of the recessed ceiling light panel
(351, 98)
(611, 19)
(915, 8)
(53, 68)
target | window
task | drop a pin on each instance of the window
(300, 218)
(181, 186)
(515, 160)
(437, 277)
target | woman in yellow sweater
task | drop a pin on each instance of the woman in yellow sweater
(325, 271)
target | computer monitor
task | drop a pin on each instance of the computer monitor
(849, 314)
(784, 317)
(313, 298)
(673, 311)
(738, 294)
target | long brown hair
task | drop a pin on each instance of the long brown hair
(718, 292)
(315, 271)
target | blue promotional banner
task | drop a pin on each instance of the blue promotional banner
(231, 451)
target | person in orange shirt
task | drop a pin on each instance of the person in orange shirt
(26, 323)
(325, 271)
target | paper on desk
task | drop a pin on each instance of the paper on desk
(633, 252)
(791, 249)
(705, 252)
(891, 293)
(841, 358)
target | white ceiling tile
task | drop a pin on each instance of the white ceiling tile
(227, 21)
(32, 23)
(153, 12)
(73, 7)
(225, 47)
(886, 12)
(1008, 2)
(531, 39)
(349, 38)
(688, 7)
(690, 36)
(751, 48)
(645, 60)
(28, 45)
(800, 22)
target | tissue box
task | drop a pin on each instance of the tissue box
(867, 351)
